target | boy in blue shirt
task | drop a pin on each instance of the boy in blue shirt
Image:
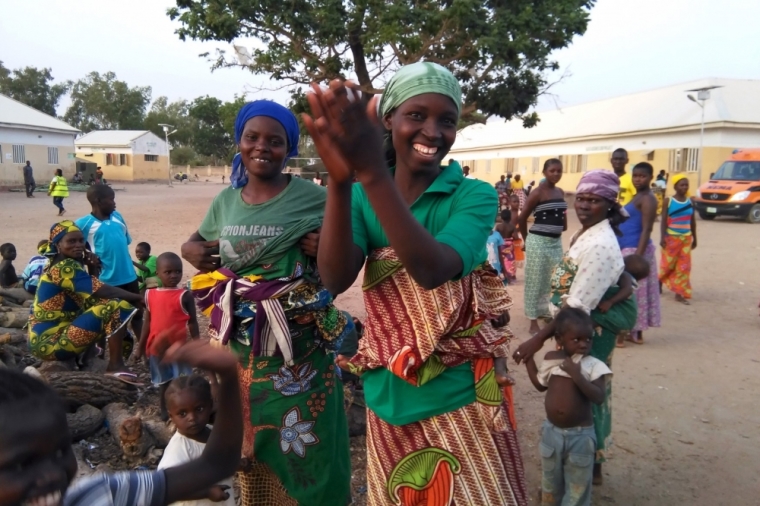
(107, 235)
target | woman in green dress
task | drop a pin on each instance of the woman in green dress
(256, 251)
(587, 275)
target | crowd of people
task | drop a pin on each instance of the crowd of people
(272, 253)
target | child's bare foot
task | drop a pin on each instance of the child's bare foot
(636, 337)
(534, 328)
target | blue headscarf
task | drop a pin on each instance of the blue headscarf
(269, 109)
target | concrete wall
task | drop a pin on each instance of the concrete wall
(36, 144)
(144, 170)
(149, 144)
(203, 172)
(135, 169)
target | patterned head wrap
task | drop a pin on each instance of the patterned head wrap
(600, 182)
(239, 176)
(416, 79)
(57, 232)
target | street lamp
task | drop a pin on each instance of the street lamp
(703, 95)
(167, 133)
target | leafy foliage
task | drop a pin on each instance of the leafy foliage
(171, 113)
(32, 86)
(102, 102)
(499, 50)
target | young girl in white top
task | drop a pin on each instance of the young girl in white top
(189, 403)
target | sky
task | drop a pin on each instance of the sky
(629, 46)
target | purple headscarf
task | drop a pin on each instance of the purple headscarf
(601, 182)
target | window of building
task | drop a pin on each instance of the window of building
(488, 166)
(577, 163)
(123, 160)
(151, 158)
(509, 168)
(683, 160)
(1, 154)
(53, 156)
(109, 159)
(535, 162)
(19, 154)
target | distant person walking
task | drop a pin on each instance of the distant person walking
(59, 190)
(679, 237)
(543, 243)
(501, 189)
(618, 161)
(518, 188)
(29, 183)
(636, 239)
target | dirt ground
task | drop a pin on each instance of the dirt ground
(686, 418)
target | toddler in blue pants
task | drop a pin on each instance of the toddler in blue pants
(572, 381)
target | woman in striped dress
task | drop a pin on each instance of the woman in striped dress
(543, 243)
(679, 237)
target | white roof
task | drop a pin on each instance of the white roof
(735, 101)
(15, 114)
(122, 138)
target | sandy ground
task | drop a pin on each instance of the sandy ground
(686, 418)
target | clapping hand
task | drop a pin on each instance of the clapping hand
(345, 130)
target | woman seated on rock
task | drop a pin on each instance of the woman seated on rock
(73, 310)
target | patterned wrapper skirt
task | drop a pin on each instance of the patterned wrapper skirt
(648, 294)
(542, 255)
(295, 429)
(461, 458)
(675, 264)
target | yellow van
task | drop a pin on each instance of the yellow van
(734, 190)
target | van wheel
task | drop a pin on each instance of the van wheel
(705, 216)
(754, 214)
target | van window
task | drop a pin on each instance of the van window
(738, 171)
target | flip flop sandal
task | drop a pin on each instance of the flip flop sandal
(126, 377)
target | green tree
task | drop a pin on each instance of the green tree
(33, 87)
(176, 114)
(102, 102)
(184, 155)
(210, 138)
(214, 127)
(500, 51)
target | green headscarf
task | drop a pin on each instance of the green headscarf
(416, 79)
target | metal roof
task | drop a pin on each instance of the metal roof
(14, 114)
(732, 101)
(121, 138)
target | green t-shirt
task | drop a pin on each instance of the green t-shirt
(150, 263)
(458, 212)
(243, 229)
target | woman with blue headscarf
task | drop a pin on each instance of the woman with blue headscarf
(256, 251)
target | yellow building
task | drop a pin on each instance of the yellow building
(126, 155)
(660, 126)
(27, 134)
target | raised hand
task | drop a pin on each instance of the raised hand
(345, 130)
